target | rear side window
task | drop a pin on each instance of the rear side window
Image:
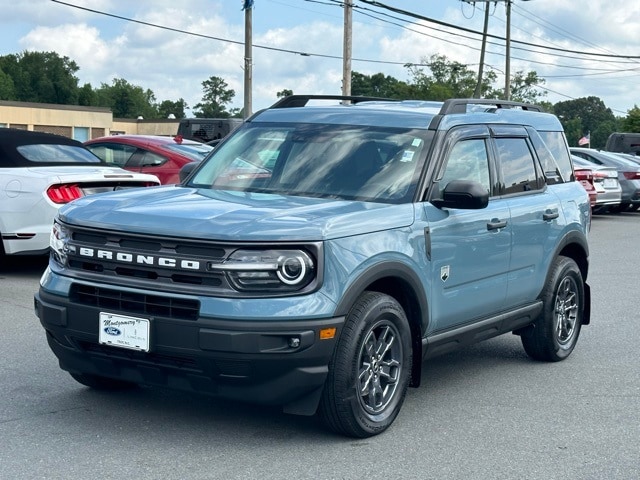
(115, 154)
(557, 145)
(52, 154)
(517, 165)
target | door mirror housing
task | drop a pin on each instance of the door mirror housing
(464, 194)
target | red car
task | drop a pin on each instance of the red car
(154, 154)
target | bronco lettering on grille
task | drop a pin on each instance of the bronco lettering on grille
(137, 259)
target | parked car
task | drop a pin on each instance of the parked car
(39, 172)
(323, 252)
(584, 175)
(154, 154)
(628, 175)
(603, 180)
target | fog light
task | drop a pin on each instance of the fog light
(294, 342)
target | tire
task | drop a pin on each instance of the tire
(101, 383)
(555, 332)
(370, 369)
(621, 207)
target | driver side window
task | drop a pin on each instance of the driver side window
(468, 160)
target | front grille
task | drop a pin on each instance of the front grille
(170, 264)
(135, 303)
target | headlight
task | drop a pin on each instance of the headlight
(58, 242)
(280, 270)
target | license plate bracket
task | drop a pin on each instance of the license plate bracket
(124, 331)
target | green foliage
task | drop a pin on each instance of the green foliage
(42, 77)
(177, 109)
(7, 88)
(523, 87)
(284, 93)
(632, 121)
(216, 96)
(378, 85)
(127, 100)
(586, 115)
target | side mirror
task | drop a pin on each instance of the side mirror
(186, 170)
(465, 194)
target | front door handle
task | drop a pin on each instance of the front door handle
(496, 224)
(550, 215)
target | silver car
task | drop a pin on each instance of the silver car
(605, 181)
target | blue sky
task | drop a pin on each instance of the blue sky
(174, 65)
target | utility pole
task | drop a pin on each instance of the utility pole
(346, 49)
(248, 59)
(507, 66)
(478, 91)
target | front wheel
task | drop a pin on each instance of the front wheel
(554, 334)
(370, 369)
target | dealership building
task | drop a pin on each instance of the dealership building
(79, 123)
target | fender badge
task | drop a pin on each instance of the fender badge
(444, 273)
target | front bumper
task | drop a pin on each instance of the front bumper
(272, 363)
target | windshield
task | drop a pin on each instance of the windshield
(327, 161)
(195, 151)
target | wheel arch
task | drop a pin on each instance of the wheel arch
(402, 283)
(575, 246)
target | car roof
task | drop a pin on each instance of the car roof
(370, 111)
(12, 138)
(144, 139)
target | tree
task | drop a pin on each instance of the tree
(588, 115)
(127, 100)
(42, 77)
(378, 85)
(447, 80)
(524, 87)
(216, 96)
(7, 89)
(631, 123)
(177, 108)
(284, 93)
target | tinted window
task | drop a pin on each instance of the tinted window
(113, 153)
(52, 154)
(517, 165)
(557, 145)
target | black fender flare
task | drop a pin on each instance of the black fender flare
(418, 320)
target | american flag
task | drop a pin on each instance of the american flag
(585, 140)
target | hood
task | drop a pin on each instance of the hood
(232, 216)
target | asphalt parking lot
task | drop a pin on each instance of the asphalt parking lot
(486, 412)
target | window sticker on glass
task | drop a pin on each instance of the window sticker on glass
(407, 156)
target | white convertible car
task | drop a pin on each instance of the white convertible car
(39, 172)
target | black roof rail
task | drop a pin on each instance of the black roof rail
(459, 105)
(302, 100)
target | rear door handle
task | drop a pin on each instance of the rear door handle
(496, 224)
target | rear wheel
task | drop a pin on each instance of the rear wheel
(554, 334)
(101, 383)
(370, 369)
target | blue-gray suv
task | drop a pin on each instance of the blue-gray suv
(324, 251)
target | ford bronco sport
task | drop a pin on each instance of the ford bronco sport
(323, 252)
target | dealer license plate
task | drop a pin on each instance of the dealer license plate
(610, 183)
(124, 331)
